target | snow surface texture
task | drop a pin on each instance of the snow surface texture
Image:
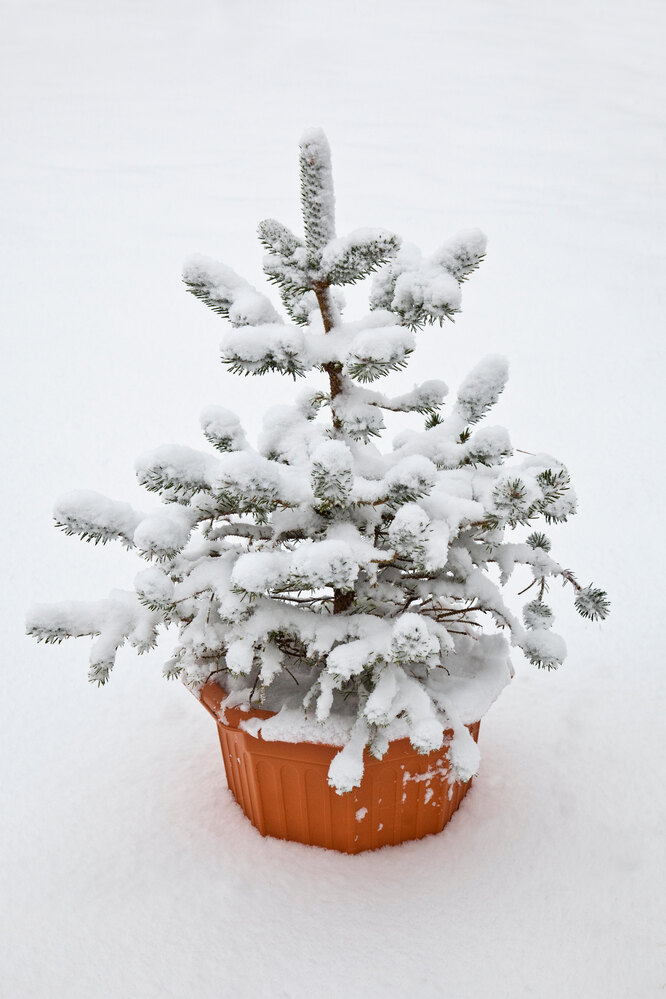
(127, 871)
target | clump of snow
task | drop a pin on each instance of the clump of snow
(379, 705)
(154, 586)
(226, 291)
(464, 755)
(411, 642)
(437, 294)
(346, 770)
(164, 532)
(95, 516)
(288, 436)
(177, 471)
(461, 253)
(351, 658)
(222, 428)
(257, 572)
(544, 648)
(410, 478)
(335, 457)
(482, 388)
(240, 656)
(410, 533)
(322, 563)
(272, 346)
(474, 677)
(373, 352)
(354, 246)
(427, 395)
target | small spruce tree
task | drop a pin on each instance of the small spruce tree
(356, 592)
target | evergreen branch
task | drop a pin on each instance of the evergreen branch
(369, 369)
(354, 257)
(462, 255)
(281, 242)
(96, 535)
(94, 517)
(99, 672)
(178, 489)
(538, 540)
(592, 603)
(286, 266)
(202, 291)
(434, 419)
(317, 197)
(226, 293)
(286, 363)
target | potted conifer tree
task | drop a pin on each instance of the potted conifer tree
(339, 607)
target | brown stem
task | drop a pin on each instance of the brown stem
(254, 686)
(300, 600)
(404, 607)
(342, 601)
(324, 303)
(569, 577)
(334, 370)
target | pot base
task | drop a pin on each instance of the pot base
(283, 787)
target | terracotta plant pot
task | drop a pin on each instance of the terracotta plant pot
(283, 789)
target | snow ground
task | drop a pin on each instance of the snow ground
(138, 133)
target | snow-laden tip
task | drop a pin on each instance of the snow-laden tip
(314, 137)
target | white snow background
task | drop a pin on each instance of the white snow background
(136, 133)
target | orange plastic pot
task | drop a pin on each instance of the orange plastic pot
(283, 788)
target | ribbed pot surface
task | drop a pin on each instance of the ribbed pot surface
(283, 788)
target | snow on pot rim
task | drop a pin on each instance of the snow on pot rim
(466, 687)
